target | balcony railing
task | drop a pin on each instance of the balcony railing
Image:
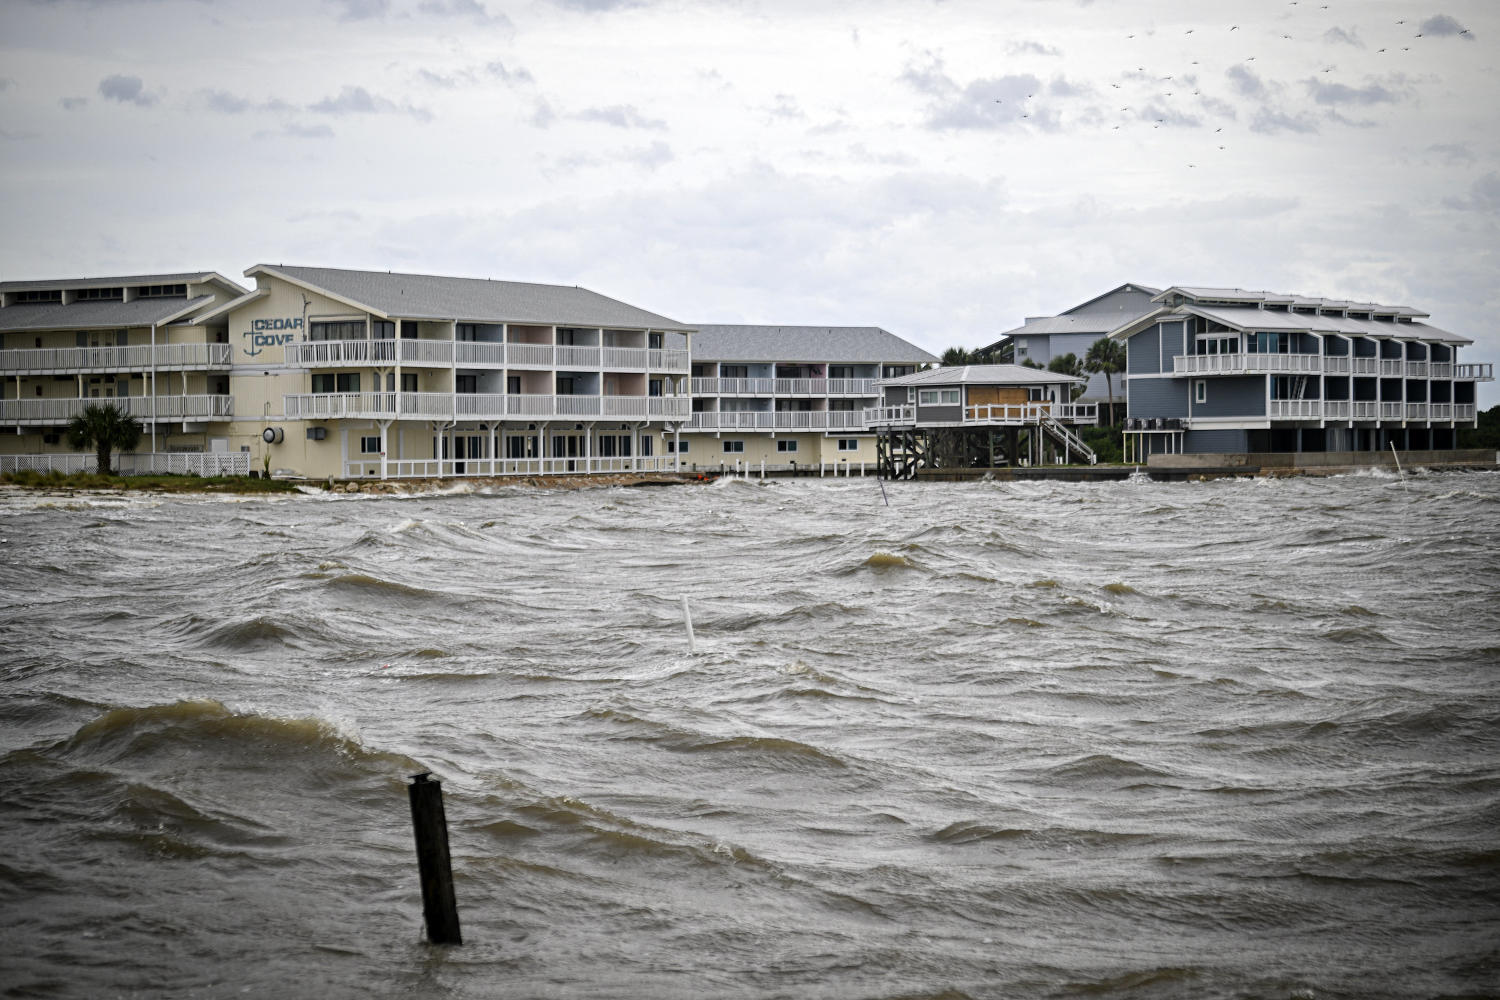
(139, 357)
(1364, 409)
(146, 408)
(1011, 414)
(1364, 366)
(1480, 373)
(778, 420)
(1246, 364)
(479, 406)
(1441, 369)
(783, 387)
(180, 463)
(1392, 367)
(1416, 369)
(480, 354)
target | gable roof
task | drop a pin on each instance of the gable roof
(983, 375)
(97, 315)
(1252, 318)
(1079, 318)
(195, 277)
(437, 297)
(811, 344)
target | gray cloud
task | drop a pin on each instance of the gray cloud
(359, 101)
(471, 9)
(1219, 108)
(1453, 152)
(225, 103)
(1031, 48)
(498, 70)
(620, 116)
(1269, 122)
(73, 103)
(542, 116)
(362, 10)
(126, 90)
(1245, 81)
(1339, 35)
(437, 79)
(296, 130)
(655, 155)
(1339, 93)
(596, 6)
(1442, 24)
(1484, 196)
(1158, 114)
(786, 107)
(997, 102)
(6, 83)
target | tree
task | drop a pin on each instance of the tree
(1028, 363)
(1107, 357)
(1068, 364)
(105, 429)
(955, 356)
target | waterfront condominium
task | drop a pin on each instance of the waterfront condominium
(147, 344)
(378, 374)
(1229, 370)
(785, 396)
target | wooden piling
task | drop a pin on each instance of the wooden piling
(430, 824)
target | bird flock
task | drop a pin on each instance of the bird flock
(1163, 99)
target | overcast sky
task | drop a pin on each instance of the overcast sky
(941, 169)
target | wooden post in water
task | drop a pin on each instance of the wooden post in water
(439, 908)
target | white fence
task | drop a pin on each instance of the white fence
(482, 354)
(445, 468)
(139, 357)
(181, 463)
(145, 408)
(478, 406)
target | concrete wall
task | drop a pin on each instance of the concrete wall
(1324, 459)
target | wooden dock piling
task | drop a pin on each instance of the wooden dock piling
(430, 824)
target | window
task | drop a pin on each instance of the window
(468, 384)
(653, 388)
(369, 445)
(681, 447)
(938, 397)
(28, 298)
(785, 445)
(340, 382)
(848, 444)
(345, 330)
(841, 371)
(467, 332)
(100, 294)
(646, 447)
(162, 291)
(734, 371)
(383, 329)
(1200, 390)
(513, 384)
(733, 447)
(564, 385)
(653, 341)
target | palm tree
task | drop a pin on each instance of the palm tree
(955, 356)
(103, 428)
(1068, 364)
(1106, 356)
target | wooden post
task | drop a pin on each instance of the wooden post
(439, 908)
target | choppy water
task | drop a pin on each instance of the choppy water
(1139, 740)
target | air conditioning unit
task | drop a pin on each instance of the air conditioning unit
(317, 433)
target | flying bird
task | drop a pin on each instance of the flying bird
(1234, 27)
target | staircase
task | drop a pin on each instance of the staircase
(1071, 442)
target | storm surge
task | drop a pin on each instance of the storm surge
(1131, 740)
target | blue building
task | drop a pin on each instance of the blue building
(1229, 370)
(1073, 331)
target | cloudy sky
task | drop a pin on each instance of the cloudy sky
(941, 169)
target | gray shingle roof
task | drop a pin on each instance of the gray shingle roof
(1086, 317)
(1251, 318)
(1244, 295)
(837, 344)
(983, 375)
(110, 282)
(96, 315)
(428, 296)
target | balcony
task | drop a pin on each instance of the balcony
(778, 420)
(1310, 364)
(998, 414)
(56, 412)
(94, 360)
(1478, 373)
(479, 406)
(783, 387)
(480, 354)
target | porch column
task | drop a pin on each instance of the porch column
(588, 448)
(385, 426)
(676, 445)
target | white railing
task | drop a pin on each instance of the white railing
(24, 411)
(669, 360)
(1242, 364)
(178, 463)
(1334, 364)
(1391, 411)
(1364, 409)
(1416, 369)
(1484, 372)
(887, 415)
(445, 468)
(1441, 370)
(628, 358)
(1416, 411)
(478, 354)
(1032, 413)
(733, 386)
(851, 387)
(1463, 411)
(425, 352)
(1390, 367)
(1441, 411)
(477, 406)
(586, 357)
(1365, 366)
(534, 355)
(814, 420)
(139, 357)
(1296, 409)
(1336, 409)
(318, 353)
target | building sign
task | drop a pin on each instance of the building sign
(265, 333)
